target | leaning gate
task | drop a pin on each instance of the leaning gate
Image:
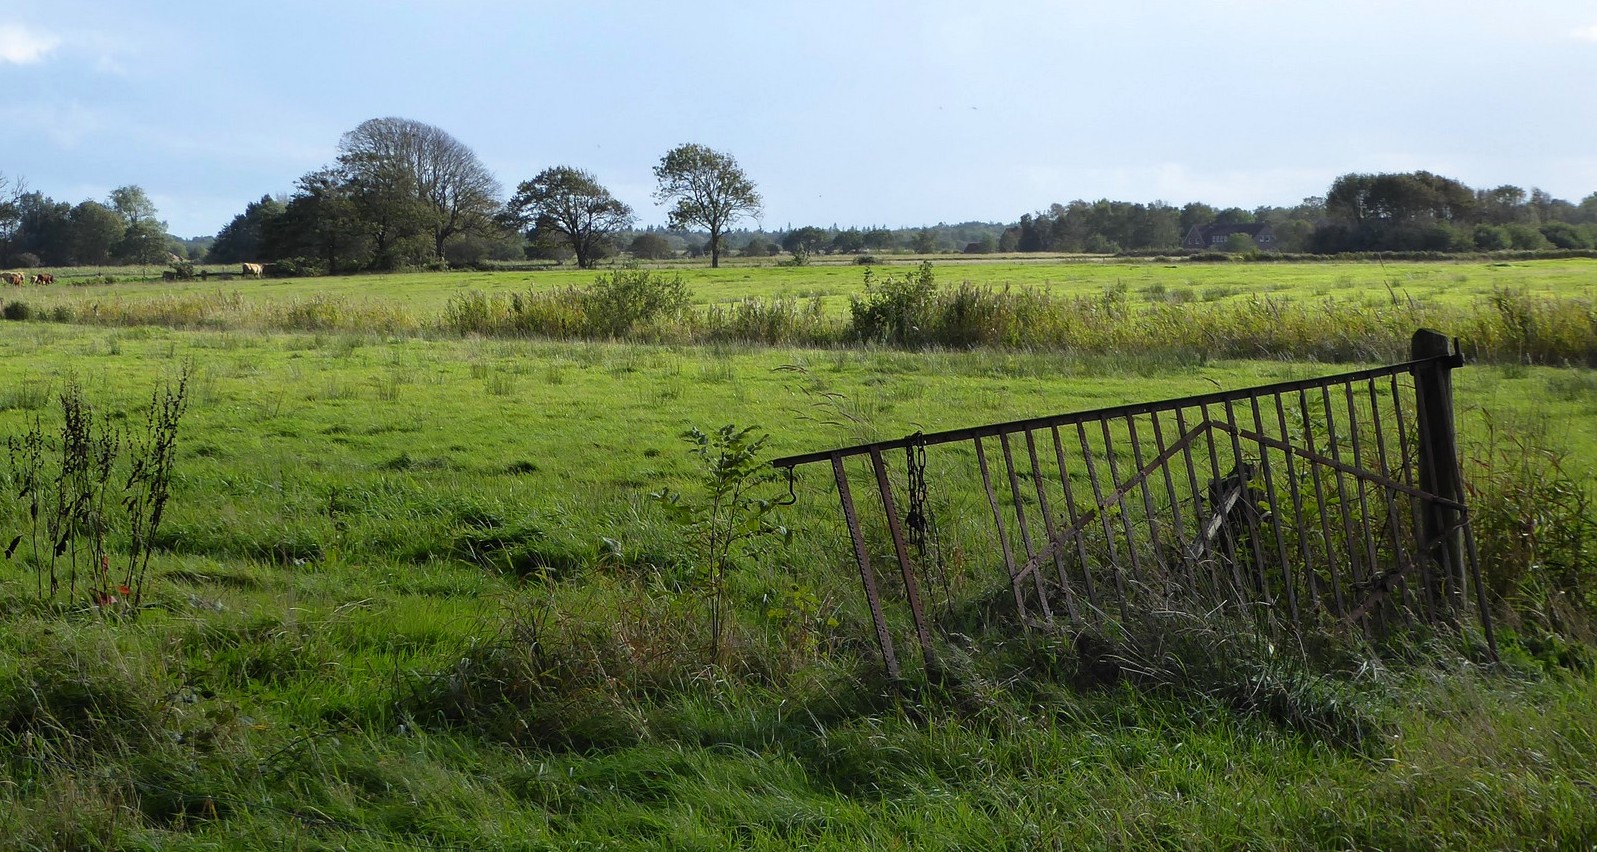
(1296, 506)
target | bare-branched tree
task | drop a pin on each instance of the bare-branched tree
(11, 192)
(396, 161)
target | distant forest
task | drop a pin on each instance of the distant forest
(331, 223)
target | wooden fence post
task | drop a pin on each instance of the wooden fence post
(1439, 466)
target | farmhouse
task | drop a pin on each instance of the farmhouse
(1213, 236)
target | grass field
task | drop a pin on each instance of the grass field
(411, 591)
(1375, 283)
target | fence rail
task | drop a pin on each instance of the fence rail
(1301, 505)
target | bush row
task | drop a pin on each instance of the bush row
(911, 310)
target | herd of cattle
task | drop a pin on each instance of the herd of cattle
(17, 279)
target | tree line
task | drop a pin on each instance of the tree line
(123, 228)
(404, 194)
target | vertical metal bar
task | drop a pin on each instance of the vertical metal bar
(1299, 523)
(911, 587)
(1238, 588)
(1038, 479)
(1103, 517)
(998, 523)
(1275, 515)
(863, 559)
(1416, 507)
(1197, 494)
(1025, 530)
(1364, 504)
(1400, 566)
(1178, 523)
(1358, 575)
(1243, 483)
(1120, 501)
(1147, 493)
(1480, 588)
(1070, 510)
(1319, 499)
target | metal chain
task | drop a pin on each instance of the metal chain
(921, 522)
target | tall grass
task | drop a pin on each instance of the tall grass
(375, 621)
(913, 311)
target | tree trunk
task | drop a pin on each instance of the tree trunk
(715, 249)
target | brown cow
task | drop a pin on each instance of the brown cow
(253, 270)
(44, 278)
(15, 279)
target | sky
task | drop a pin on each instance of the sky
(895, 112)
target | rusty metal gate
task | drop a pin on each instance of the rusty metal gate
(1323, 504)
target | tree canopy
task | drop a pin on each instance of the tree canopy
(571, 203)
(706, 188)
(412, 177)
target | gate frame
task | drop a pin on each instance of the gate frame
(1447, 555)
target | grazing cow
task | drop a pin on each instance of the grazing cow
(253, 270)
(15, 279)
(44, 278)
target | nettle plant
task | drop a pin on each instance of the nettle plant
(730, 519)
(90, 487)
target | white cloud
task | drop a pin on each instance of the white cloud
(1586, 33)
(21, 45)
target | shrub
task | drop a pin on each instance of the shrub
(73, 493)
(180, 270)
(896, 310)
(294, 267)
(28, 260)
(729, 520)
(17, 311)
(618, 303)
(866, 260)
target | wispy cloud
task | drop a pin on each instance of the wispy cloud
(65, 124)
(20, 45)
(1586, 33)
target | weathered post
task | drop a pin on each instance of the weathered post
(1439, 470)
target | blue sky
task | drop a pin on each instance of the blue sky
(890, 113)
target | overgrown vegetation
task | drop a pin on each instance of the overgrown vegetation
(912, 310)
(93, 483)
(410, 589)
(730, 518)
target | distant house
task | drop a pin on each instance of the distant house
(1212, 236)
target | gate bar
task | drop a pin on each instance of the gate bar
(1211, 397)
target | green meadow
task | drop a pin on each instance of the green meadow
(411, 590)
(1374, 282)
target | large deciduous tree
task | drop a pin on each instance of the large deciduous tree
(803, 242)
(407, 172)
(243, 239)
(95, 228)
(571, 203)
(706, 188)
(143, 238)
(321, 220)
(651, 247)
